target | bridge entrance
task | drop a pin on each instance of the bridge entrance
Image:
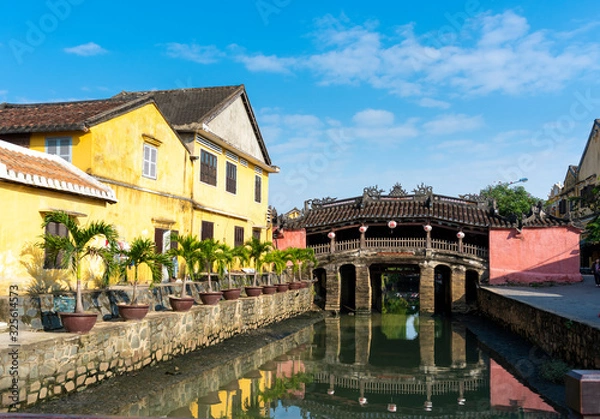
(348, 288)
(394, 287)
(442, 289)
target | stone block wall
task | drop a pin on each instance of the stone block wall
(574, 342)
(54, 363)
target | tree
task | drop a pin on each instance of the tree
(510, 200)
(143, 251)
(208, 254)
(80, 242)
(188, 248)
(256, 249)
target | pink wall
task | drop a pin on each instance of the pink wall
(534, 255)
(291, 238)
(507, 392)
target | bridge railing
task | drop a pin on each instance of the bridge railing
(404, 243)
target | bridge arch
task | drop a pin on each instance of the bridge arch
(347, 274)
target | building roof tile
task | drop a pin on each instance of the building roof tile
(47, 171)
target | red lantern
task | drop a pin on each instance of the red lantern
(427, 228)
(460, 235)
(362, 229)
(331, 235)
(392, 224)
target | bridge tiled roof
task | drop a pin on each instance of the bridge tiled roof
(414, 208)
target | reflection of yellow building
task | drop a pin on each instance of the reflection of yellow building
(189, 160)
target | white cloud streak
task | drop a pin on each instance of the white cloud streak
(86, 50)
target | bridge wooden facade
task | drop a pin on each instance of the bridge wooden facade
(443, 240)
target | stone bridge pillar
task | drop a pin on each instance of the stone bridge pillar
(332, 288)
(362, 336)
(458, 289)
(427, 289)
(363, 289)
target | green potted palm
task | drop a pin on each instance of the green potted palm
(188, 248)
(142, 251)
(269, 260)
(208, 254)
(279, 262)
(256, 249)
(70, 250)
(225, 261)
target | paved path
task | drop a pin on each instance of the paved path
(579, 302)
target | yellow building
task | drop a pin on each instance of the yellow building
(187, 160)
(32, 184)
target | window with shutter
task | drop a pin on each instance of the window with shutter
(208, 168)
(257, 188)
(207, 230)
(150, 158)
(238, 236)
(231, 181)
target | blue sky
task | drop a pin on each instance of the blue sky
(454, 94)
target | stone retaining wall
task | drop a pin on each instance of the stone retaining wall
(52, 364)
(575, 343)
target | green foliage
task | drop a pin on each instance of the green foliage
(142, 251)
(554, 371)
(510, 200)
(81, 242)
(256, 250)
(395, 306)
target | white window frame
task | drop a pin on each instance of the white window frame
(149, 161)
(63, 147)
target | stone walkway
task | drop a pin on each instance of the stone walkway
(579, 302)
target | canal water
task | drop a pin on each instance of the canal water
(378, 366)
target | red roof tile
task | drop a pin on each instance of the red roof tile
(29, 167)
(63, 116)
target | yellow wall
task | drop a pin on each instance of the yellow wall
(22, 216)
(230, 210)
(81, 150)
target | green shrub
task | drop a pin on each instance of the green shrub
(554, 371)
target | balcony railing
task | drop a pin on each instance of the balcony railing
(395, 244)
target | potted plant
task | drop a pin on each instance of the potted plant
(208, 254)
(270, 260)
(279, 263)
(188, 248)
(141, 251)
(256, 248)
(68, 252)
(225, 261)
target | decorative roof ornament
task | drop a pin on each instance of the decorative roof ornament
(473, 197)
(318, 203)
(397, 190)
(422, 190)
(372, 192)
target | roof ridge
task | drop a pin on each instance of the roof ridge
(182, 89)
(6, 105)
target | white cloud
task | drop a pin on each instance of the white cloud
(453, 123)
(492, 53)
(86, 50)
(373, 117)
(268, 64)
(427, 102)
(201, 54)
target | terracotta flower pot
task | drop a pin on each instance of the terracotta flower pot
(269, 289)
(181, 304)
(295, 285)
(253, 291)
(304, 284)
(232, 293)
(133, 312)
(78, 322)
(282, 287)
(210, 298)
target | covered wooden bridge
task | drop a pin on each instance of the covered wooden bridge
(431, 248)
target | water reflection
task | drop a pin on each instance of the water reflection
(349, 367)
